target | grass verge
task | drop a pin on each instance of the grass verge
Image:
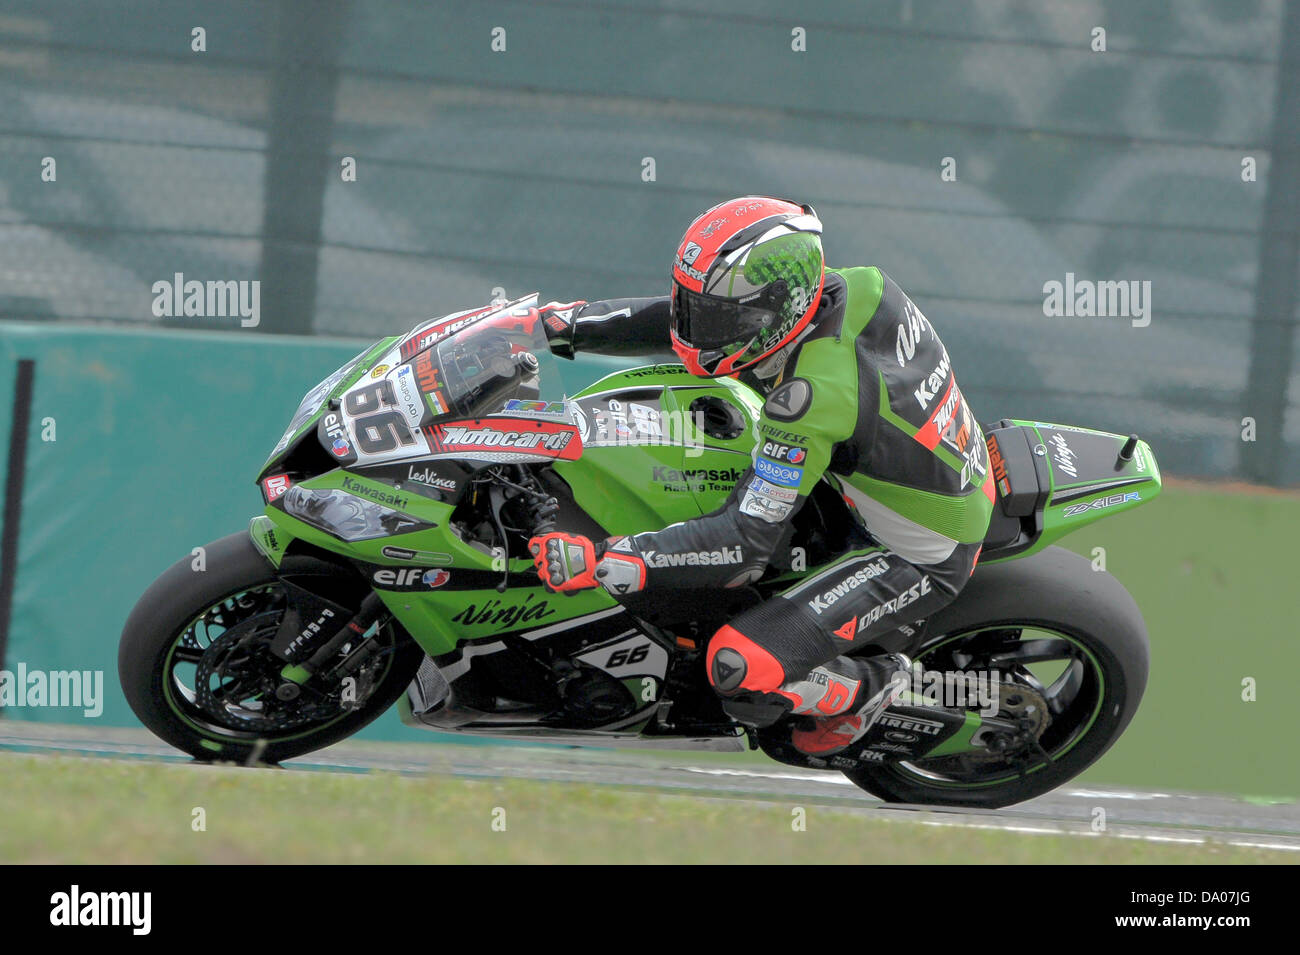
(73, 810)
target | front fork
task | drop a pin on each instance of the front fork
(317, 627)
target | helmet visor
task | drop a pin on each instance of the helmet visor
(706, 321)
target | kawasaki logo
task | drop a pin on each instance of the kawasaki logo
(728, 476)
(933, 382)
(873, 569)
(695, 558)
(374, 494)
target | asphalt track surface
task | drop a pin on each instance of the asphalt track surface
(1170, 817)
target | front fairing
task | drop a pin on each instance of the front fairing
(479, 386)
(315, 402)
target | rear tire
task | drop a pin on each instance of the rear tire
(166, 610)
(1057, 590)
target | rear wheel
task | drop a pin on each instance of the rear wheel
(1071, 651)
(196, 668)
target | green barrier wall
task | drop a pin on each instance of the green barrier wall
(158, 437)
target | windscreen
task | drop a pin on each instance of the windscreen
(470, 365)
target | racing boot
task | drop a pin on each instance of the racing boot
(846, 697)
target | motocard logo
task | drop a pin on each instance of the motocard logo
(1075, 509)
(868, 571)
(543, 439)
(695, 558)
(784, 452)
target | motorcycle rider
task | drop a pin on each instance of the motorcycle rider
(859, 390)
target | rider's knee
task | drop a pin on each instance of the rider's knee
(736, 663)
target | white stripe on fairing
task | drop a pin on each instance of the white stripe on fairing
(458, 669)
(911, 541)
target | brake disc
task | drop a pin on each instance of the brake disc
(244, 671)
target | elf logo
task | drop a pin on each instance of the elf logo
(784, 452)
(411, 577)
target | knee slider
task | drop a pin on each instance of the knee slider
(737, 663)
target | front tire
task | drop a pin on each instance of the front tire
(1089, 612)
(184, 612)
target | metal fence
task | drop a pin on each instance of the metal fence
(976, 150)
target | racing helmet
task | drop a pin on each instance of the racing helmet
(747, 279)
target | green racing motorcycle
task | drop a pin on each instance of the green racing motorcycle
(390, 566)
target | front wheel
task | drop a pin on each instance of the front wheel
(195, 665)
(1071, 648)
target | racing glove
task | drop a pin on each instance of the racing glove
(568, 563)
(557, 318)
